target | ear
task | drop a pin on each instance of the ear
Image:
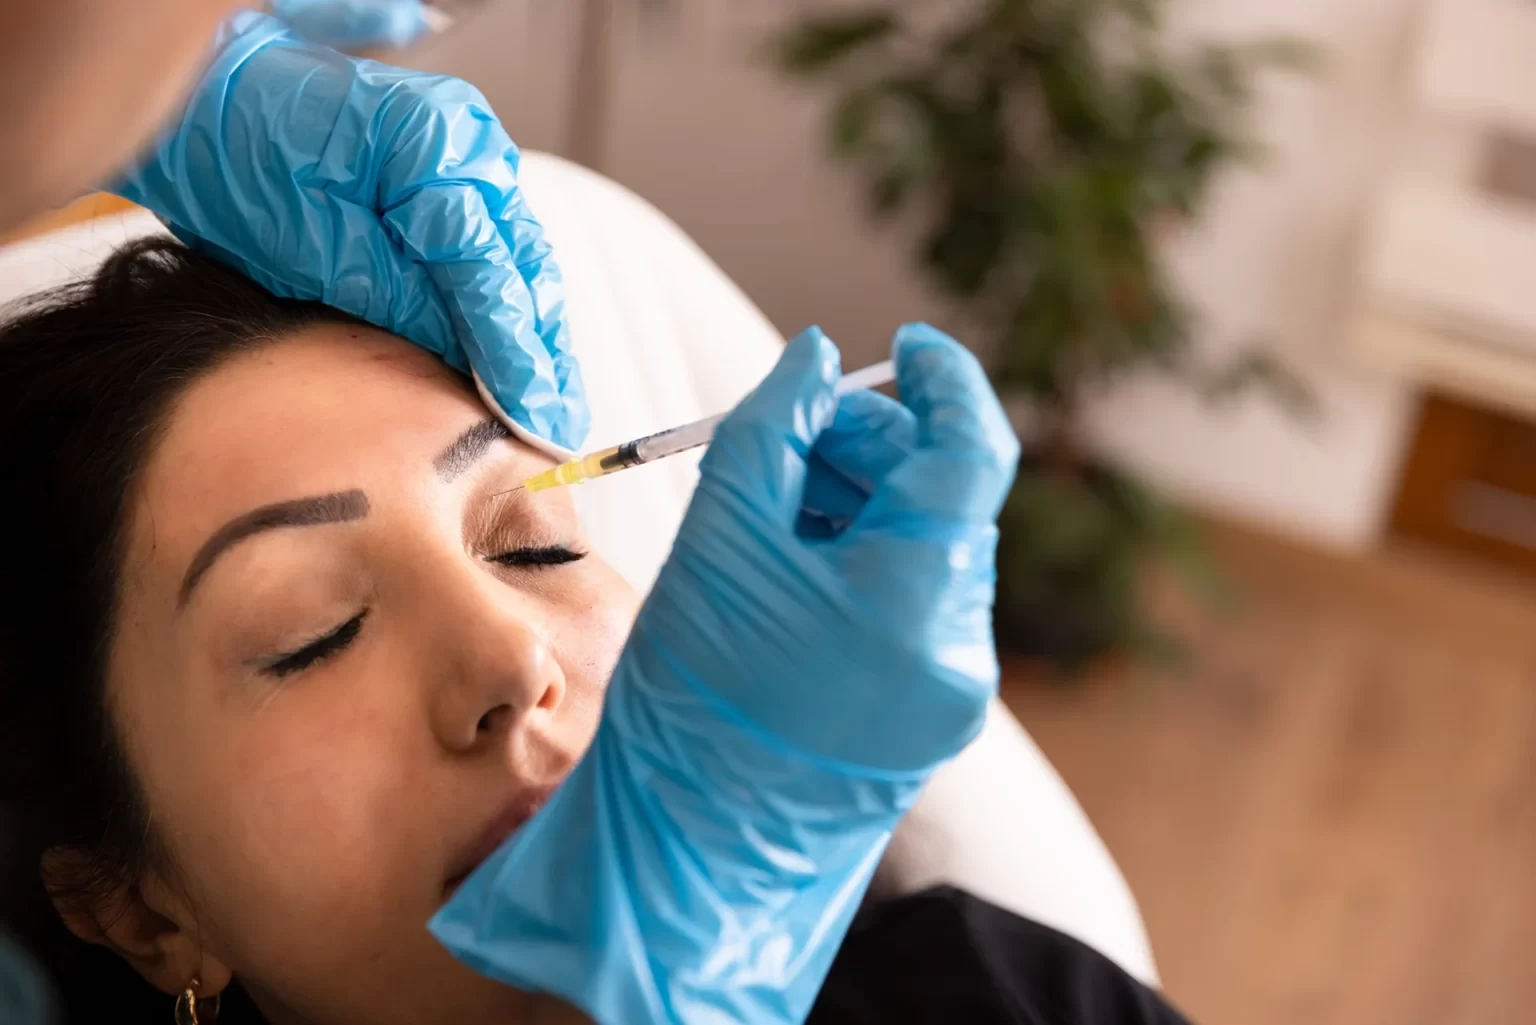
(145, 923)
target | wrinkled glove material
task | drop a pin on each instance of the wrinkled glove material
(390, 194)
(356, 24)
(818, 643)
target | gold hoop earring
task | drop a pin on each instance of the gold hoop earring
(194, 1010)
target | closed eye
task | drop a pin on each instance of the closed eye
(318, 650)
(538, 557)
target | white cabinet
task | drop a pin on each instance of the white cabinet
(1448, 265)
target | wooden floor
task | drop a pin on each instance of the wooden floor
(1331, 818)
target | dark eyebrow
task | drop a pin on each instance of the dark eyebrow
(468, 447)
(342, 507)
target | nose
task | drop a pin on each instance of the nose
(496, 677)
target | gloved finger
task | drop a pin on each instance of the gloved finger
(869, 437)
(760, 450)
(448, 228)
(535, 261)
(965, 451)
(944, 385)
(295, 240)
(357, 24)
(470, 224)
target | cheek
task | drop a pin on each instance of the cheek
(306, 832)
(299, 775)
(600, 615)
(319, 887)
(308, 829)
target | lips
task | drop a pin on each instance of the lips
(512, 817)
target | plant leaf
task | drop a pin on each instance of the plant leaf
(1146, 14)
(1285, 53)
(1039, 147)
(1159, 648)
(1258, 368)
(1182, 545)
(852, 119)
(818, 43)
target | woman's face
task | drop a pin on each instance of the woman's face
(346, 667)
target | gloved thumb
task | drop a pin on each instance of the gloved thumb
(965, 452)
(762, 447)
(356, 24)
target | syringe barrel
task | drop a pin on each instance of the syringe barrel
(678, 439)
(616, 459)
(681, 439)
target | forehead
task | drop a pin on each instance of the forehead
(331, 408)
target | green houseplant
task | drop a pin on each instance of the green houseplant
(1039, 148)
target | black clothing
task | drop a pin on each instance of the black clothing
(944, 957)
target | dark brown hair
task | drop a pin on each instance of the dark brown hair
(88, 375)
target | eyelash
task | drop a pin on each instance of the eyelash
(539, 557)
(317, 651)
(339, 639)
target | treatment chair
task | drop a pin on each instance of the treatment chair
(663, 337)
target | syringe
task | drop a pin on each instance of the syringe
(679, 439)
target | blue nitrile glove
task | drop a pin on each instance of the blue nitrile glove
(388, 193)
(355, 24)
(819, 641)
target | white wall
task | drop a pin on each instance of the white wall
(519, 52)
(1274, 258)
(703, 129)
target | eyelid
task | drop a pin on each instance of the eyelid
(316, 650)
(508, 524)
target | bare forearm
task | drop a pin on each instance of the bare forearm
(83, 83)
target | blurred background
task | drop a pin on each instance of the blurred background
(1259, 282)
(1267, 577)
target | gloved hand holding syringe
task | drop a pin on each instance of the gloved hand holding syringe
(817, 644)
(675, 440)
